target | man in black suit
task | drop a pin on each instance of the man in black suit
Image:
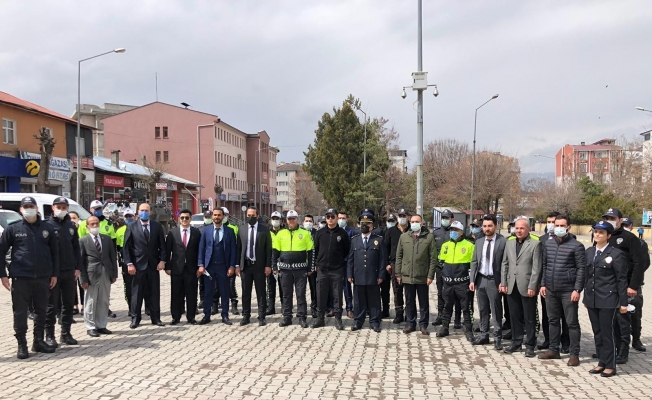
(182, 248)
(144, 254)
(255, 264)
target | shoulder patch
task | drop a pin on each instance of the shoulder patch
(354, 236)
(46, 234)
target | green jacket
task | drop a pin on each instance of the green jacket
(416, 259)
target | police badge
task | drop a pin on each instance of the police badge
(339, 238)
(106, 227)
(46, 234)
(375, 243)
(463, 250)
(619, 240)
(608, 260)
(300, 236)
(72, 231)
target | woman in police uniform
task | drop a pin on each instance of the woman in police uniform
(605, 294)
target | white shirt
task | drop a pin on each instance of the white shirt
(181, 229)
(146, 226)
(252, 257)
(487, 268)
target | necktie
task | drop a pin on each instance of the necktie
(365, 242)
(185, 238)
(597, 254)
(97, 244)
(487, 256)
(251, 243)
(146, 233)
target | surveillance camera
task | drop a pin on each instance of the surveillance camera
(435, 92)
(403, 95)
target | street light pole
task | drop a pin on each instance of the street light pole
(419, 165)
(643, 109)
(199, 163)
(118, 50)
(475, 126)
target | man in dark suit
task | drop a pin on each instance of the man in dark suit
(485, 279)
(255, 264)
(217, 260)
(182, 248)
(144, 254)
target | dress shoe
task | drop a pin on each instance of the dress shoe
(204, 321)
(409, 329)
(498, 344)
(75, 311)
(270, 311)
(93, 333)
(457, 325)
(469, 336)
(545, 345)
(226, 321)
(638, 346)
(549, 355)
(437, 321)
(111, 314)
(245, 321)
(399, 318)
(355, 328)
(623, 354)
(134, 324)
(234, 307)
(384, 314)
(303, 323)
(319, 323)
(608, 374)
(315, 314)
(174, 321)
(262, 322)
(330, 314)
(349, 314)
(573, 361)
(443, 332)
(596, 370)
(513, 348)
(508, 336)
(158, 323)
(565, 349)
(104, 331)
(67, 338)
(377, 329)
(424, 331)
(529, 352)
(479, 341)
(192, 322)
(338, 324)
(285, 322)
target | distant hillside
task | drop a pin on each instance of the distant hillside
(549, 176)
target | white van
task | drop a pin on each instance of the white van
(11, 201)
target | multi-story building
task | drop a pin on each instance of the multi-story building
(286, 178)
(21, 121)
(92, 115)
(398, 159)
(193, 145)
(261, 172)
(596, 160)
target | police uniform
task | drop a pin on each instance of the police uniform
(391, 239)
(292, 259)
(65, 289)
(442, 235)
(34, 261)
(365, 266)
(120, 242)
(273, 279)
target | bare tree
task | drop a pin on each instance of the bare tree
(46, 147)
(308, 198)
(445, 163)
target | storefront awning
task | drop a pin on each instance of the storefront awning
(127, 168)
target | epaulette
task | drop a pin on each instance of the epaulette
(356, 235)
(11, 223)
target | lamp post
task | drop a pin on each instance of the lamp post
(118, 50)
(643, 109)
(475, 126)
(364, 156)
(214, 124)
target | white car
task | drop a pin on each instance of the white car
(197, 221)
(11, 201)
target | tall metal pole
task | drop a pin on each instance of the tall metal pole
(420, 126)
(199, 164)
(475, 125)
(78, 198)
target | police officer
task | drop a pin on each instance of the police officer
(233, 295)
(292, 258)
(332, 245)
(106, 228)
(273, 279)
(392, 237)
(128, 215)
(34, 271)
(442, 235)
(637, 301)
(69, 269)
(366, 271)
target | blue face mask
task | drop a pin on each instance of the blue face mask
(475, 231)
(98, 212)
(128, 221)
(341, 223)
(454, 235)
(143, 215)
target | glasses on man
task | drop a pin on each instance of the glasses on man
(184, 217)
(330, 217)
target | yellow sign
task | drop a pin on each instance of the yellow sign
(32, 167)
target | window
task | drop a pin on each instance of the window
(8, 131)
(158, 156)
(646, 137)
(600, 154)
(583, 167)
(157, 133)
(584, 155)
(165, 132)
(166, 157)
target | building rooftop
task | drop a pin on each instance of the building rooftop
(128, 168)
(14, 101)
(293, 166)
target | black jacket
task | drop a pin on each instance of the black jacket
(180, 258)
(69, 253)
(141, 253)
(441, 235)
(34, 250)
(564, 265)
(629, 244)
(331, 248)
(606, 279)
(392, 237)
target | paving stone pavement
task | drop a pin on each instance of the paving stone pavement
(232, 362)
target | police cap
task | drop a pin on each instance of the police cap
(60, 200)
(28, 201)
(447, 213)
(604, 225)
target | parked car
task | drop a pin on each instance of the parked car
(11, 201)
(197, 221)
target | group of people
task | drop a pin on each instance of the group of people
(507, 274)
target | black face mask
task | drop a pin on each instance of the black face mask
(252, 221)
(364, 229)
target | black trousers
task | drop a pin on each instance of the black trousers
(183, 292)
(146, 282)
(312, 283)
(385, 288)
(25, 291)
(366, 299)
(398, 294)
(637, 315)
(603, 321)
(559, 303)
(63, 293)
(452, 294)
(292, 280)
(329, 281)
(272, 282)
(441, 302)
(128, 282)
(523, 312)
(545, 324)
(253, 277)
(412, 292)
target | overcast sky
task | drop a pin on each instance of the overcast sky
(566, 71)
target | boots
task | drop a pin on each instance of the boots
(22, 347)
(40, 346)
(234, 307)
(623, 354)
(338, 323)
(399, 317)
(443, 331)
(49, 337)
(66, 337)
(437, 321)
(468, 332)
(319, 322)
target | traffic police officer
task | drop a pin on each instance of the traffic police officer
(69, 269)
(106, 228)
(366, 271)
(273, 279)
(34, 271)
(128, 215)
(442, 235)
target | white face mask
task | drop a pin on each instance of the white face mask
(307, 226)
(276, 223)
(550, 226)
(560, 232)
(61, 214)
(613, 223)
(94, 231)
(391, 224)
(627, 229)
(402, 221)
(29, 213)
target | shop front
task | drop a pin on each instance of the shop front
(110, 188)
(58, 175)
(12, 170)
